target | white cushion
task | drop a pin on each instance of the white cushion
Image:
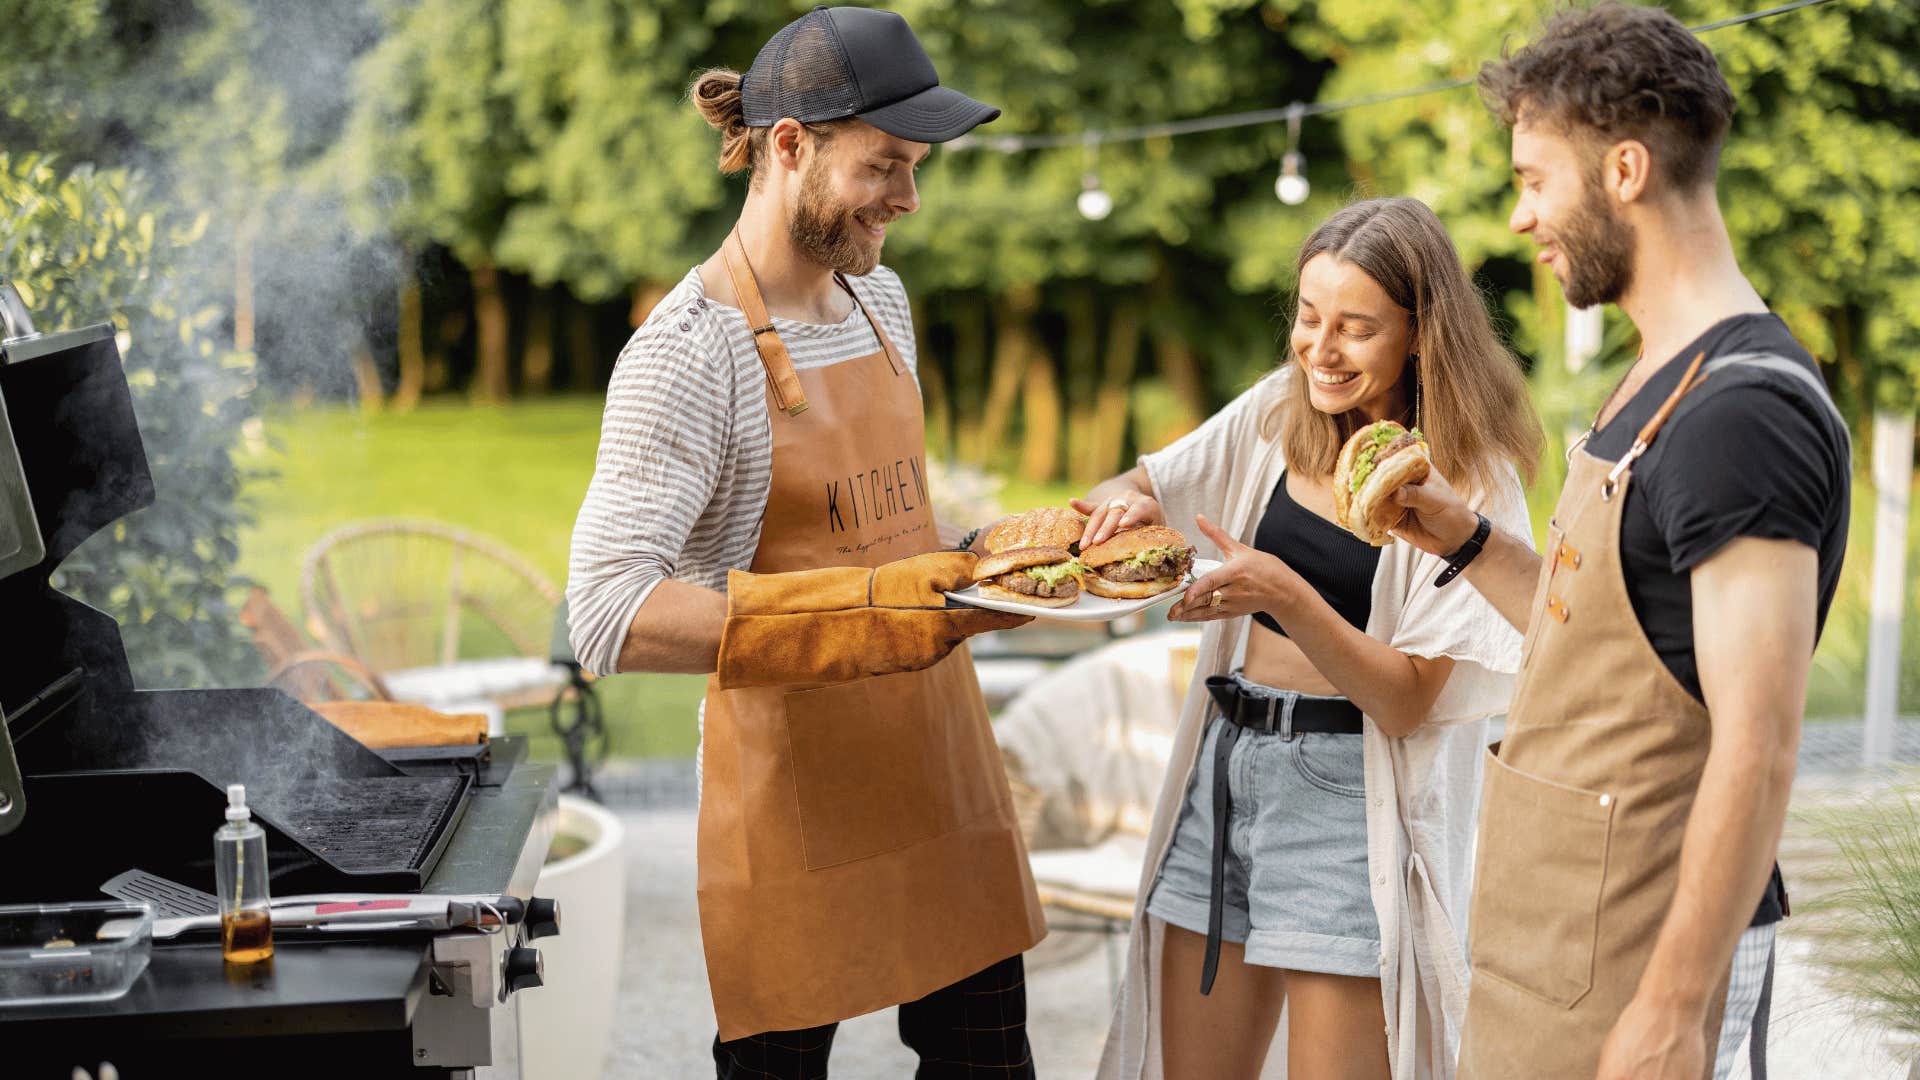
(1111, 868)
(1003, 677)
(467, 681)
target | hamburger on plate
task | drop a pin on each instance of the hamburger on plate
(1377, 461)
(1138, 563)
(1042, 576)
(1047, 527)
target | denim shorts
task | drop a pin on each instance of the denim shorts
(1296, 867)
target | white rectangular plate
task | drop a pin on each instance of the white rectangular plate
(1089, 608)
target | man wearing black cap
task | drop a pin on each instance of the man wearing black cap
(858, 847)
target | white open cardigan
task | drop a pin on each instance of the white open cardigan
(1423, 791)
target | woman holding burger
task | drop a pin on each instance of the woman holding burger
(1312, 842)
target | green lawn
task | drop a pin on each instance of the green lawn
(517, 473)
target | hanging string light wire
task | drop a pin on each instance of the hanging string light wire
(1013, 144)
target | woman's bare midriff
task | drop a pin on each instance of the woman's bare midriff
(1274, 660)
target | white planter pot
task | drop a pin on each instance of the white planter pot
(566, 1025)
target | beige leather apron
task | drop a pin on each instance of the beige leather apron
(1585, 803)
(858, 847)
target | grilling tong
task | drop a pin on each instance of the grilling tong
(179, 909)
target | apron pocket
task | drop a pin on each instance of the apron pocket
(859, 771)
(1536, 897)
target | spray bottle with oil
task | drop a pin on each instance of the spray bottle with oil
(240, 866)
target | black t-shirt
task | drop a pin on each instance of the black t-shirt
(1751, 452)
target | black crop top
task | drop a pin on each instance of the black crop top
(1338, 564)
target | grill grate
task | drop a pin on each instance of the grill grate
(369, 824)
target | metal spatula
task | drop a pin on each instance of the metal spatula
(170, 899)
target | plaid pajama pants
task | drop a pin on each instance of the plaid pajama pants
(1746, 1010)
(975, 1029)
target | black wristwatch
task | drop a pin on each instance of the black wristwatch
(1469, 551)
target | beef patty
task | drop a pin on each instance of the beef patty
(1028, 585)
(1165, 568)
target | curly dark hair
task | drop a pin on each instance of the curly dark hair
(1612, 72)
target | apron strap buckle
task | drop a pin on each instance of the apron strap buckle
(1611, 485)
(1688, 383)
(788, 393)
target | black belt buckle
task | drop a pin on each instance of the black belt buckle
(1233, 701)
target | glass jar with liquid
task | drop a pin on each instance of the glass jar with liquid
(240, 868)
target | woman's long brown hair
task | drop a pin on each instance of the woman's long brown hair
(1474, 406)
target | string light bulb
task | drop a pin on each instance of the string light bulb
(1094, 203)
(1291, 185)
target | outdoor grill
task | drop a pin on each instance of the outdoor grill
(98, 779)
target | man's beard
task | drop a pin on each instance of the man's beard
(1598, 247)
(823, 228)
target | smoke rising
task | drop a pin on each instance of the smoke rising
(232, 111)
(255, 738)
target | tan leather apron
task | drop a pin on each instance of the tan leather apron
(858, 847)
(1585, 802)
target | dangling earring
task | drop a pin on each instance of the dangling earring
(1413, 360)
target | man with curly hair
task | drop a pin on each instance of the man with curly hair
(1626, 890)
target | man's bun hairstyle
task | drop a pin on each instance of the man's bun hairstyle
(716, 92)
(1613, 72)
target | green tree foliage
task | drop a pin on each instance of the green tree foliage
(1821, 183)
(85, 244)
(134, 135)
(50, 64)
(553, 140)
(1820, 180)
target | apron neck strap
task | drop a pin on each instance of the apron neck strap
(787, 393)
(773, 352)
(1688, 383)
(886, 343)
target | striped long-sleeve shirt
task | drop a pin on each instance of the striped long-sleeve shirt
(685, 461)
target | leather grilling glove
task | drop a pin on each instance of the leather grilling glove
(839, 624)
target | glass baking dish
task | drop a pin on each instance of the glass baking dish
(59, 953)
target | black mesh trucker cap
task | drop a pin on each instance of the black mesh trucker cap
(833, 63)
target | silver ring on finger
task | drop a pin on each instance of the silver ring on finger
(1216, 600)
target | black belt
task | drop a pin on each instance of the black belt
(1757, 1037)
(1266, 715)
(1273, 715)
